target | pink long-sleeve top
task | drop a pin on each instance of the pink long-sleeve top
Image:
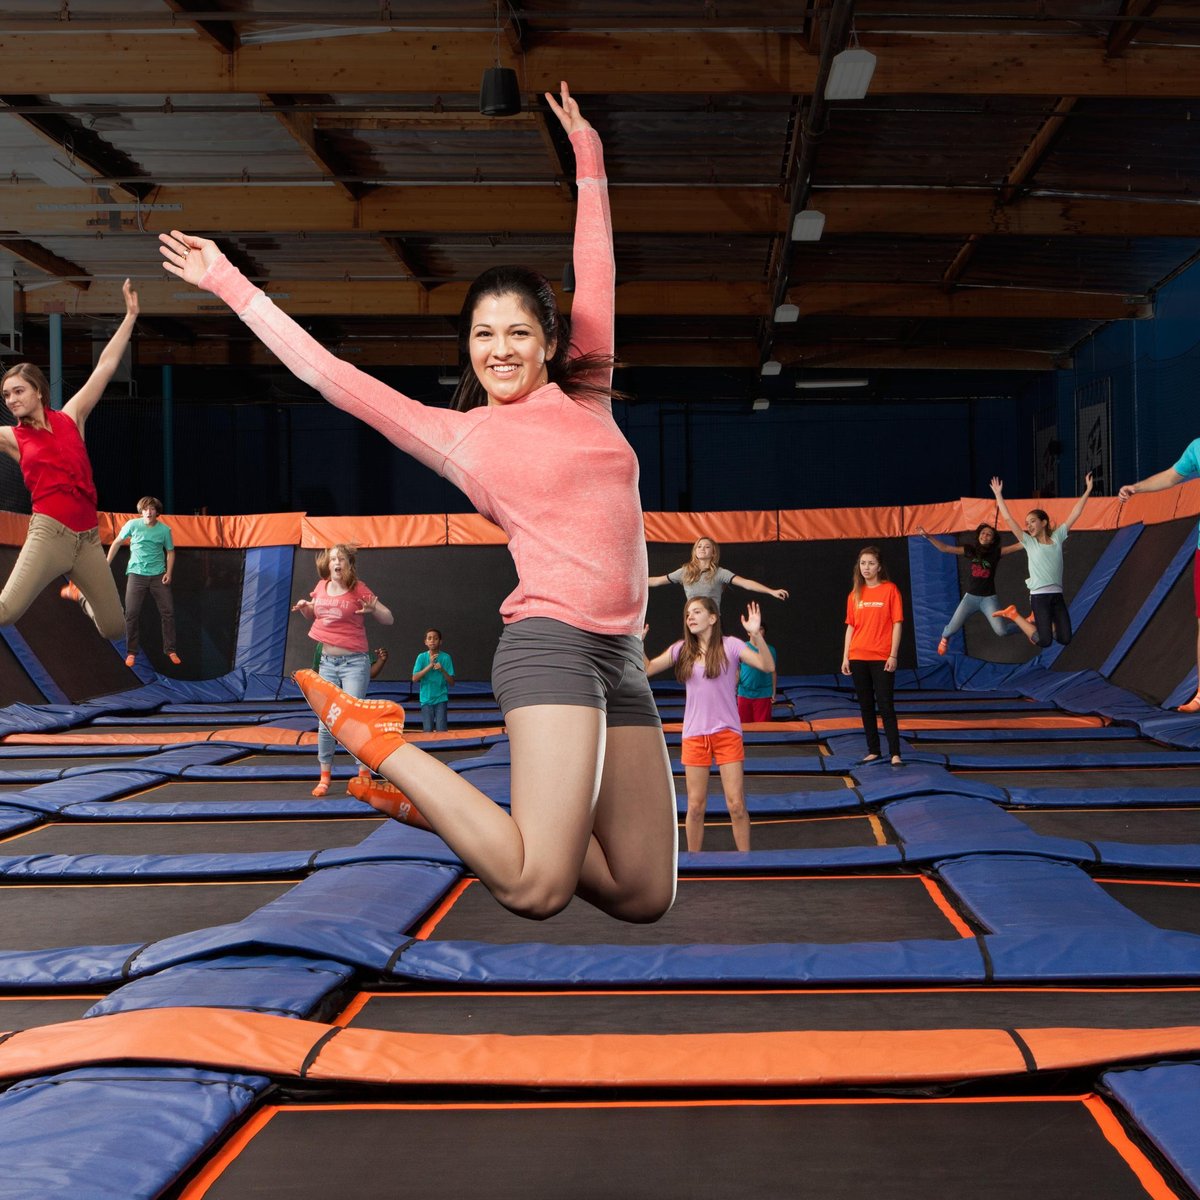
(556, 474)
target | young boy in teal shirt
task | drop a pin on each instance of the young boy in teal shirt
(434, 671)
(151, 565)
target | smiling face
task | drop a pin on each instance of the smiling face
(508, 348)
(868, 567)
(1034, 525)
(986, 535)
(703, 550)
(22, 398)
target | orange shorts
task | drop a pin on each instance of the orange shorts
(724, 746)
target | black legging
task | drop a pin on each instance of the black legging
(1052, 618)
(874, 685)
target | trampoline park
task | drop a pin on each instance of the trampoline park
(218, 986)
(866, 256)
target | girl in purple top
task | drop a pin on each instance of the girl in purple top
(593, 806)
(707, 665)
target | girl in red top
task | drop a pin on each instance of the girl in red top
(874, 618)
(532, 442)
(63, 538)
(337, 608)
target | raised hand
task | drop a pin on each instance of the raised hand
(1127, 492)
(187, 256)
(752, 621)
(304, 607)
(131, 299)
(997, 486)
(567, 111)
(1087, 479)
(368, 605)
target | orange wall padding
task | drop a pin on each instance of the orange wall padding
(787, 525)
(279, 1046)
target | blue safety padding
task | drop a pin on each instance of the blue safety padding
(1021, 894)
(1163, 1102)
(1182, 729)
(933, 576)
(917, 779)
(1094, 954)
(785, 803)
(72, 966)
(724, 862)
(1158, 593)
(1047, 797)
(13, 820)
(357, 914)
(928, 960)
(114, 1133)
(263, 614)
(1137, 856)
(262, 865)
(61, 794)
(933, 827)
(391, 842)
(1184, 692)
(264, 983)
(115, 752)
(1084, 733)
(199, 810)
(1048, 759)
(28, 718)
(32, 666)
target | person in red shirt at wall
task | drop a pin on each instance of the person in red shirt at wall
(48, 445)
(593, 806)
(874, 618)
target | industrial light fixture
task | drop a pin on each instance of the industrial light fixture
(850, 74)
(771, 367)
(820, 385)
(785, 314)
(499, 93)
(808, 226)
(448, 379)
(761, 404)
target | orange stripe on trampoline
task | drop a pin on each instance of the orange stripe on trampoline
(1147, 1174)
(448, 902)
(832, 724)
(224, 1039)
(254, 735)
(228, 1153)
(946, 908)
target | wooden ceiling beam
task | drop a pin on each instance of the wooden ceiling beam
(404, 255)
(222, 34)
(406, 298)
(1128, 25)
(44, 260)
(42, 212)
(302, 127)
(921, 358)
(603, 62)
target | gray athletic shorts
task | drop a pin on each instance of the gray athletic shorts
(543, 661)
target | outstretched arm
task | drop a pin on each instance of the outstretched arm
(938, 545)
(426, 433)
(595, 270)
(117, 544)
(84, 400)
(1077, 511)
(758, 653)
(997, 486)
(1154, 483)
(752, 585)
(657, 580)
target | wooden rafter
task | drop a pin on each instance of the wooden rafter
(44, 260)
(403, 253)
(222, 34)
(1126, 28)
(302, 127)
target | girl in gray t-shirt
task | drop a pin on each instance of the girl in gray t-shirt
(703, 575)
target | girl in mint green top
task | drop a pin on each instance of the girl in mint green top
(1043, 542)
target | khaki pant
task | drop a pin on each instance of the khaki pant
(51, 550)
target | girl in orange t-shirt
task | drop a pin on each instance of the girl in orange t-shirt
(874, 618)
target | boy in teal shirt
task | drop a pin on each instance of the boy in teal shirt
(151, 565)
(434, 671)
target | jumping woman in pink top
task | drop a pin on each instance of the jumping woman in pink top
(593, 807)
(707, 665)
(63, 537)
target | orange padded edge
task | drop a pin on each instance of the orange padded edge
(279, 1046)
(933, 518)
(255, 735)
(470, 529)
(720, 526)
(829, 724)
(14, 528)
(837, 524)
(1100, 512)
(371, 532)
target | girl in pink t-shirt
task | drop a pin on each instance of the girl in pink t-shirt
(707, 665)
(338, 607)
(531, 440)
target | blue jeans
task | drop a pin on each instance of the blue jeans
(352, 673)
(433, 716)
(988, 605)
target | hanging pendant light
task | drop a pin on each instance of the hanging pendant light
(499, 93)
